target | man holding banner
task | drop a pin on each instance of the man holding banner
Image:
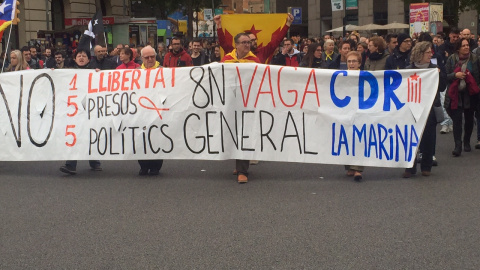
(241, 54)
(264, 53)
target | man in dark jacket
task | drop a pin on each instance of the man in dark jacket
(49, 59)
(199, 58)
(177, 57)
(400, 58)
(289, 56)
(27, 55)
(471, 39)
(100, 61)
(448, 47)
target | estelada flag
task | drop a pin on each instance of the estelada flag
(7, 14)
(262, 25)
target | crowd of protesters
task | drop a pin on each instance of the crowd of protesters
(455, 56)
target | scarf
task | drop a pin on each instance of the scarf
(375, 56)
(157, 64)
(418, 65)
(232, 57)
(328, 56)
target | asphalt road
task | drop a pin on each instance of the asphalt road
(195, 216)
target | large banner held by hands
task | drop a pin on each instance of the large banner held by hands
(216, 112)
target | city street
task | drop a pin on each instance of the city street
(195, 216)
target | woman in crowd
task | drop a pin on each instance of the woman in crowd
(126, 56)
(82, 59)
(313, 58)
(354, 60)
(376, 54)
(461, 99)
(17, 62)
(421, 59)
(215, 57)
(362, 48)
(328, 54)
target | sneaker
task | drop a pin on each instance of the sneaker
(143, 172)
(96, 168)
(242, 179)
(444, 129)
(450, 128)
(68, 170)
(434, 161)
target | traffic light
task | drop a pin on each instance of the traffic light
(17, 11)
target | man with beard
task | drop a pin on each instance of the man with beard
(59, 60)
(100, 61)
(263, 53)
(177, 57)
(400, 58)
(49, 59)
(289, 56)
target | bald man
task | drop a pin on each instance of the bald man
(468, 35)
(100, 60)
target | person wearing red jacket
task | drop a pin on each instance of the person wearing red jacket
(263, 53)
(177, 57)
(126, 57)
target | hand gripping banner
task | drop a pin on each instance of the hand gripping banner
(216, 112)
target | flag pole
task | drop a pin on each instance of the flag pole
(6, 48)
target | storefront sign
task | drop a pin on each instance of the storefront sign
(85, 21)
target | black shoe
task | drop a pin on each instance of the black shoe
(68, 170)
(143, 172)
(467, 147)
(477, 146)
(154, 171)
(96, 168)
(458, 149)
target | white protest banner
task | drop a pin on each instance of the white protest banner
(215, 112)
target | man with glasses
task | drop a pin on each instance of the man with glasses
(151, 166)
(177, 57)
(263, 53)
(241, 54)
(400, 58)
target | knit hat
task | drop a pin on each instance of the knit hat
(401, 37)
